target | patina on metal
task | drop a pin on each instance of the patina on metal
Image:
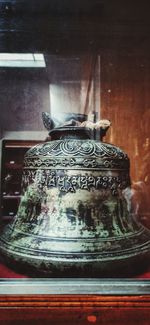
(74, 218)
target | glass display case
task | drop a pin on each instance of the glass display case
(82, 97)
(82, 64)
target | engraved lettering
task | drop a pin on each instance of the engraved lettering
(70, 187)
(98, 182)
(91, 181)
(84, 183)
(70, 183)
(61, 183)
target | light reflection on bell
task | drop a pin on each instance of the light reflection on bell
(74, 218)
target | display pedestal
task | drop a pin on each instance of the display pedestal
(74, 309)
(73, 301)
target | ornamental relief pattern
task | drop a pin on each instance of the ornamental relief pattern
(75, 148)
(77, 162)
(76, 154)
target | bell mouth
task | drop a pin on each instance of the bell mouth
(32, 260)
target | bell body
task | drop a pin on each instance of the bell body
(73, 218)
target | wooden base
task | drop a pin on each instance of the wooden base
(74, 309)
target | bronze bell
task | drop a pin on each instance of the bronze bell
(73, 218)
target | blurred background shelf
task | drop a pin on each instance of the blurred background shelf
(13, 152)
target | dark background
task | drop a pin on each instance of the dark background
(118, 31)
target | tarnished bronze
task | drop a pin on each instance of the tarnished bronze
(75, 216)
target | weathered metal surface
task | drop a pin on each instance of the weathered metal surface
(74, 218)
